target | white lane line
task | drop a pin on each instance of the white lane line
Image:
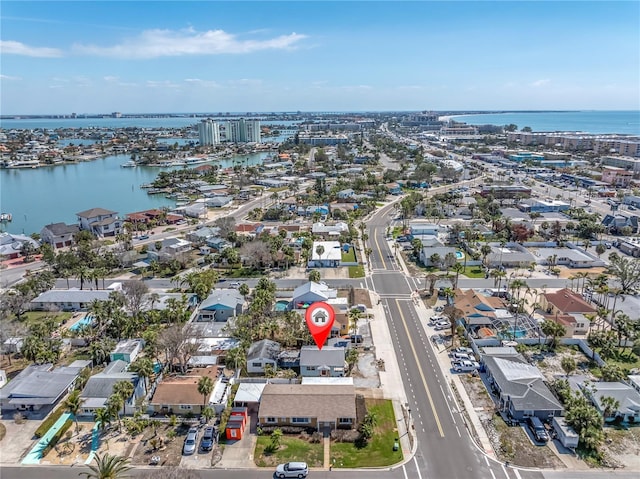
(492, 474)
(504, 469)
(404, 470)
(458, 431)
(417, 467)
(515, 471)
(486, 460)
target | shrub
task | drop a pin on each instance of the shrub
(50, 421)
(19, 418)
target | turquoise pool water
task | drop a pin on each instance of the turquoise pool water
(86, 321)
(519, 333)
(459, 255)
(35, 454)
(281, 305)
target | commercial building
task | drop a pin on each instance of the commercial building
(242, 131)
(209, 132)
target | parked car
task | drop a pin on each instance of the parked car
(190, 442)
(440, 325)
(537, 429)
(143, 237)
(435, 319)
(460, 357)
(465, 366)
(402, 239)
(235, 284)
(461, 350)
(292, 469)
(207, 439)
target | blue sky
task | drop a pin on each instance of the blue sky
(207, 56)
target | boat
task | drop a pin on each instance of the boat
(129, 164)
(6, 217)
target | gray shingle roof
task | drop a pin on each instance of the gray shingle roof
(71, 296)
(94, 212)
(264, 348)
(39, 384)
(58, 229)
(230, 298)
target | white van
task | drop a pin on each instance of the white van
(292, 469)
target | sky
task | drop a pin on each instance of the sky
(215, 56)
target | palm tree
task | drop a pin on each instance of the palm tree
(320, 251)
(314, 275)
(73, 404)
(108, 467)
(458, 268)
(354, 317)
(205, 387)
(124, 390)
(610, 406)
(144, 368)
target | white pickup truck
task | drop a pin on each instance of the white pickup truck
(465, 366)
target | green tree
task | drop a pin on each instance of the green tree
(568, 365)
(205, 387)
(612, 373)
(73, 405)
(314, 275)
(144, 368)
(554, 330)
(108, 467)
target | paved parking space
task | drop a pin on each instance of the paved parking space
(17, 441)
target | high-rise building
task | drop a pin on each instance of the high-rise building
(209, 132)
(242, 131)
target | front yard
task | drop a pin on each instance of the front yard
(379, 450)
(292, 448)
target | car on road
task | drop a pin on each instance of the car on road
(235, 284)
(207, 439)
(190, 442)
(143, 237)
(466, 366)
(292, 469)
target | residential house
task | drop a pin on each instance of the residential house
(179, 395)
(100, 222)
(340, 323)
(420, 228)
(573, 258)
(629, 246)
(519, 387)
(38, 387)
(313, 406)
(221, 305)
(536, 205)
(394, 188)
(200, 236)
(248, 395)
(329, 231)
(479, 310)
(59, 235)
(328, 256)
(260, 354)
(99, 388)
(127, 350)
(345, 194)
(11, 245)
(310, 292)
(249, 229)
(615, 224)
(68, 299)
(569, 309)
(328, 361)
(627, 397)
(218, 201)
(511, 255)
(170, 248)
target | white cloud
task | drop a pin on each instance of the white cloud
(170, 43)
(205, 83)
(110, 78)
(9, 77)
(161, 84)
(8, 47)
(539, 83)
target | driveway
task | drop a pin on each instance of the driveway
(17, 441)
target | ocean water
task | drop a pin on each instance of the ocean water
(40, 196)
(622, 122)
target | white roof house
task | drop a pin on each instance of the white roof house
(331, 254)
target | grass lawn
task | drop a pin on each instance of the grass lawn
(349, 256)
(356, 271)
(379, 451)
(292, 448)
(397, 231)
(31, 317)
(626, 361)
(473, 272)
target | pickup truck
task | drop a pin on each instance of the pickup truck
(465, 366)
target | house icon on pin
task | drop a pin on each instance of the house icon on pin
(320, 317)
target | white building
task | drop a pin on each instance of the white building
(209, 132)
(325, 254)
(242, 131)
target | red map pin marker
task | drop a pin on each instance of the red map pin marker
(320, 317)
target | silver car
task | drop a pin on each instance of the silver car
(190, 442)
(292, 469)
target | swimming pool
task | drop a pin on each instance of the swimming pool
(281, 305)
(459, 255)
(518, 333)
(81, 323)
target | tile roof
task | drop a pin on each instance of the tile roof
(567, 301)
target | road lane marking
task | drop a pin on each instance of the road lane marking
(404, 470)
(424, 380)
(487, 461)
(492, 474)
(460, 435)
(417, 467)
(515, 471)
(375, 238)
(504, 470)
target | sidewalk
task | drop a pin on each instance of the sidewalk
(390, 378)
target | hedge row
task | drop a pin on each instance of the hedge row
(56, 437)
(50, 421)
